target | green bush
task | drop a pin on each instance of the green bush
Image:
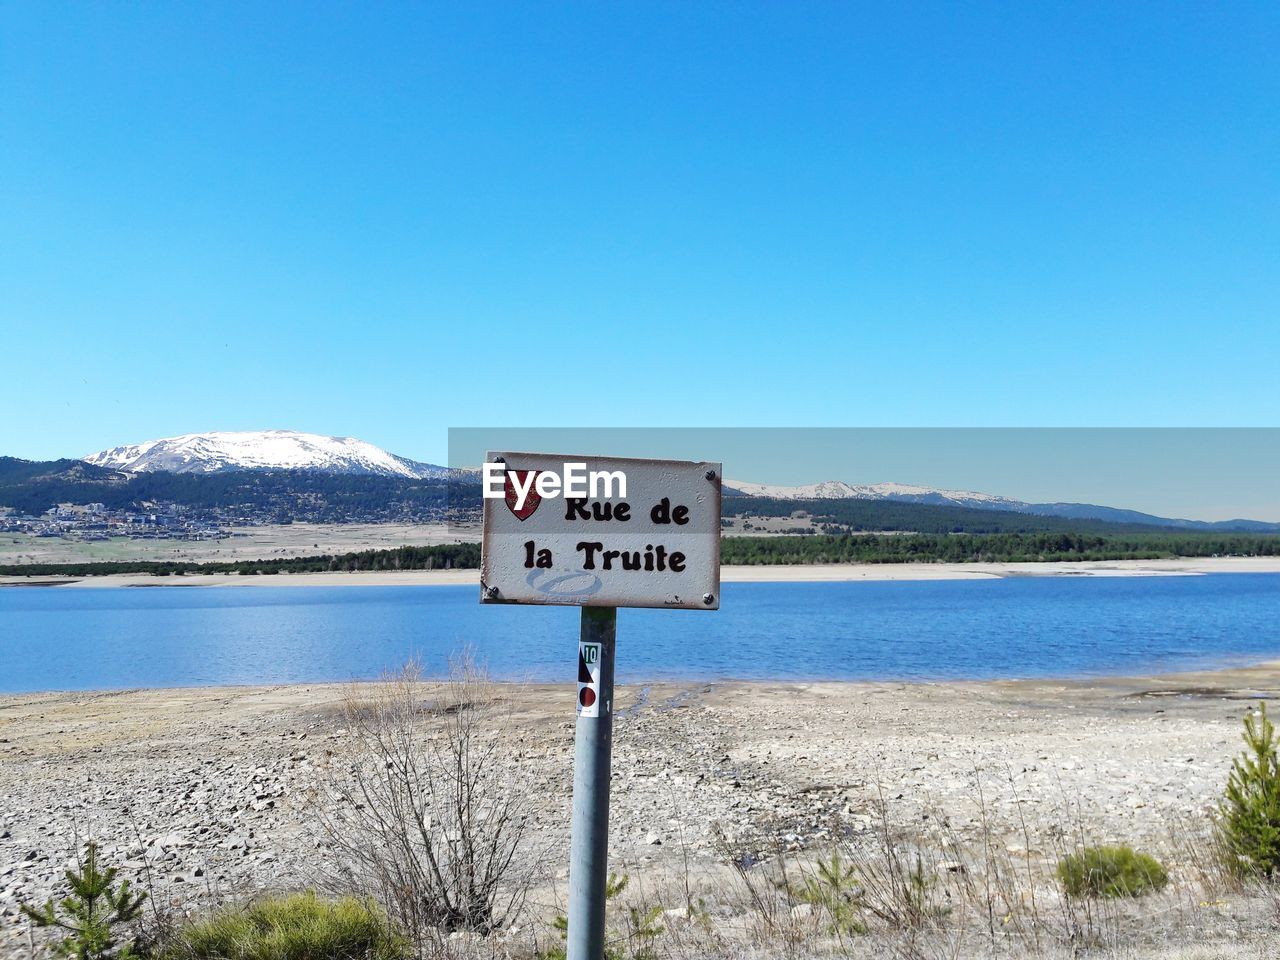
(296, 927)
(1249, 825)
(1110, 872)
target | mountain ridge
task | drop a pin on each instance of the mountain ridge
(287, 451)
(228, 450)
(937, 496)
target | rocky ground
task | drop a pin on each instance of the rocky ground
(208, 793)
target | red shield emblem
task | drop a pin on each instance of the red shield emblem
(531, 501)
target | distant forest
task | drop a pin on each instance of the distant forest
(841, 516)
(858, 548)
(449, 556)
(992, 548)
(275, 496)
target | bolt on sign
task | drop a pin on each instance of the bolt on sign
(600, 532)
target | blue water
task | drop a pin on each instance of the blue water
(57, 639)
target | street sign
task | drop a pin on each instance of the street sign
(598, 533)
(643, 533)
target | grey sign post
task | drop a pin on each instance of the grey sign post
(655, 545)
(592, 755)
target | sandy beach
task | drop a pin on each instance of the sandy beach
(728, 574)
(214, 789)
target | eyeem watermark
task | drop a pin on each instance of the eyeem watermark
(574, 482)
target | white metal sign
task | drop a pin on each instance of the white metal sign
(600, 532)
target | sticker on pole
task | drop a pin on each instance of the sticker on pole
(600, 531)
(588, 679)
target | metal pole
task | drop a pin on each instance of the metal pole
(593, 748)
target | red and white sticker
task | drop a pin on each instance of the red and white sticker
(588, 679)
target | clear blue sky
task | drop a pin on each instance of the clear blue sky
(383, 220)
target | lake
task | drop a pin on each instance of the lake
(65, 638)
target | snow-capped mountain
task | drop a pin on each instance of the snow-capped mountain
(225, 451)
(903, 492)
(222, 451)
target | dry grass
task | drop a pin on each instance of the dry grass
(897, 891)
(895, 888)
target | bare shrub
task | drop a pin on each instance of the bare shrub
(767, 887)
(426, 814)
(1197, 844)
(898, 882)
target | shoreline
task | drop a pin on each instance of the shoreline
(763, 573)
(1202, 681)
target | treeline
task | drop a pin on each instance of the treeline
(448, 556)
(989, 548)
(871, 515)
(858, 548)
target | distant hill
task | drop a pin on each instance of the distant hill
(33, 486)
(900, 492)
(874, 516)
(15, 471)
(1116, 515)
(778, 497)
(259, 495)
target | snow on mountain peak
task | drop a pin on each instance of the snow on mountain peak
(840, 490)
(225, 450)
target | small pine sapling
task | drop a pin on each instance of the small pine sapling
(834, 889)
(90, 915)
(1250, 810)
(613, 888)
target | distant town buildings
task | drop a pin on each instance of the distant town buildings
(94, 521)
